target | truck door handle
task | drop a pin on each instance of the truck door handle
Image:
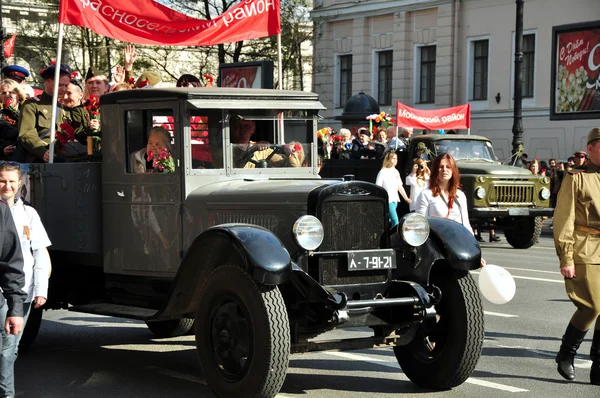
(121, 194)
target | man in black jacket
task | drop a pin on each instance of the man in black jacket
(12, 278)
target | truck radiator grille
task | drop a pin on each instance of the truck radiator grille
(512, 194)
(351, 225)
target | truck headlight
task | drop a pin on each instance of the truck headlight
(544, 193)
(480, 179)
(308, 232)
(480, 192)
(545, 180)
(414, 229)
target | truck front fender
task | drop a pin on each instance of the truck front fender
(250, 246)
(456, 243)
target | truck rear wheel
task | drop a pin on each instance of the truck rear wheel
(446, 349)
(524, 232)
(242, 335)
(172, 328)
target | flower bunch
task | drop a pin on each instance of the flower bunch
(131, 82)
(13, 110)
(209, 80)
(65, 133)
(384, 118)
(162, 161)
(570, 89)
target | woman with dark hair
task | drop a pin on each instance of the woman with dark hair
(443, 198)
(188, 80)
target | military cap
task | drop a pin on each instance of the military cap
(148, 79)
(93, 73)
(594, 134)
(15, 72)
(48, 72)
(364, 131)
(580, 154)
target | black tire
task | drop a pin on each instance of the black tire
(242, 335)
(524, 232)
(172, 328)
(32, 329)
(456, 335)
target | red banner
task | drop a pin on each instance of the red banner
(458, 117)
(577, 71)
(149, 22)
(9, 46)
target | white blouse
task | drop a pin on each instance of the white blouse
(389, 179)
(428, 205)
(416, 188)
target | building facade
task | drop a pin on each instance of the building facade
(431, 54)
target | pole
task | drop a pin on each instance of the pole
(517, 130)
(279, 65)
(55, 107)
(2, 60)
(107, 57)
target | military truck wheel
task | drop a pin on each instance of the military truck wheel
(172, 328)
(446, 349)
(242, 335)
(524, 232)
(32, 329)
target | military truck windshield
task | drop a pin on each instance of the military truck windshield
(270, 139)
(475, 150)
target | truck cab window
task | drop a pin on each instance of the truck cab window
(206, 138)
(150, 141)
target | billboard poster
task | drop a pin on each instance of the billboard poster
(246, 75)
(576, 71)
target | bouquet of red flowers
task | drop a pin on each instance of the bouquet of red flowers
(93, 107)
(13, 112)
(162, 161)
(65, 133)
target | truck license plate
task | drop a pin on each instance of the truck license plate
(518, 212)
(371, 260)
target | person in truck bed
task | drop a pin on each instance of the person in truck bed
(158, 139)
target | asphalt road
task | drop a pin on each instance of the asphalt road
(80, 355)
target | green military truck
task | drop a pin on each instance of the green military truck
(498, 195)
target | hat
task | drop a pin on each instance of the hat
(48, 72)
(364, 131)
(148, 79)
(92, 73)
(15, 72)
(580, 154)
(594, 135)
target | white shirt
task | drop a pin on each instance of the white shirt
(36, 272)
(428, 205)
(416, 188)
(389, 179)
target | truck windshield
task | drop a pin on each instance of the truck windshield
(270, 138)
(466, 150)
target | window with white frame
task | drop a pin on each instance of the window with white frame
(427, 75)
(528, 66)
(345, 79)
(384, 77)
(480, 70)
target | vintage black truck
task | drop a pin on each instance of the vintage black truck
(260, 256)
(498, 195)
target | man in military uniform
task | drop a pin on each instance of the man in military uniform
(577, 241)
(36, 116)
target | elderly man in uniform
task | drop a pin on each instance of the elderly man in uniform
(577, 241)
(36, 116)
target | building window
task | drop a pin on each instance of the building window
(345, 78)
(528, 65)
(427, 80)
(480, 70)
(384, 88)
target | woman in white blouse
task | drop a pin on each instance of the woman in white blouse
(418, 180)
(443, 198)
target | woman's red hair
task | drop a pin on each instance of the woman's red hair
(454, 182)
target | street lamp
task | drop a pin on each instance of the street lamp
(517, 130)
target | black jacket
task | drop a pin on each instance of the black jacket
(12, 278)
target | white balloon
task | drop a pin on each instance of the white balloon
(496, 284)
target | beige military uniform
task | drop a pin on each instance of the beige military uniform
(576, 221)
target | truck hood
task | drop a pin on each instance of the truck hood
(477, 167)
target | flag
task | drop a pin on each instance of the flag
(149, 22)
(9, 46)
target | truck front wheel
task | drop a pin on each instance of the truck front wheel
(172, 328)
(446, 349)
(524, 232)
(242, 335)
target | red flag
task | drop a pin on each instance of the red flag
(458, 117)
(9, 46)
(149, 22)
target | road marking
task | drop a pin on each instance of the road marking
(395, 365)
(535, 270)
(531, 278)
(500, 314)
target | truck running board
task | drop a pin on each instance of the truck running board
(117, 310)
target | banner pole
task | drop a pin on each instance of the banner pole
(55, 107)
(279, 66)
